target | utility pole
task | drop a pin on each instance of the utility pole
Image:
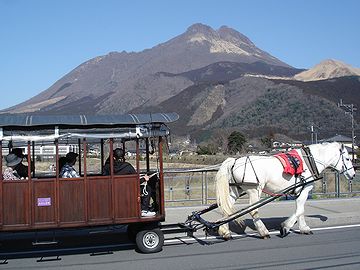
(350, 109)
(314, 134)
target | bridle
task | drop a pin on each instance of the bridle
(313, 167)
(344, 167)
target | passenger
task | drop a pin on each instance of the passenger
(68, 171)
(10, 173)
(21, 169)
(120, 168)
(62, 162)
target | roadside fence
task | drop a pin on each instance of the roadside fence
(197, 186)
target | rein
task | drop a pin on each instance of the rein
(302, 180)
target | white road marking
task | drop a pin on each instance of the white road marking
(194, 239)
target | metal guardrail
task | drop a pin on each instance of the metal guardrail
(335, 185)
(197, 186)
(190, 187)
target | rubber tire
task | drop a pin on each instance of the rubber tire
(150, 240)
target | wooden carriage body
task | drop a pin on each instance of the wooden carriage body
(51, 202)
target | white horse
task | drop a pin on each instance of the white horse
(252, 174)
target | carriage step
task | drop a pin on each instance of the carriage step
(101, 253)
(41, 243)
(101, 232)
(49, 259)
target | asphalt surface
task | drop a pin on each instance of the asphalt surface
(318, 213)
(325, 249)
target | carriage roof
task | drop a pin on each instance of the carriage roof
(84, 121)
(127, 126)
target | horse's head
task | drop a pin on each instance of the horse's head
(343, 163)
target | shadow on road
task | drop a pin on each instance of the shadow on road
(65, 242)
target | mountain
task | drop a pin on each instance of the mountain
(327, 69)
(215, 80)
(119, 82)
(258, 106)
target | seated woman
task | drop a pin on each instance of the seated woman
(10, 173)
(122, 167)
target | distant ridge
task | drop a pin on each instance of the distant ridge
(327, 69)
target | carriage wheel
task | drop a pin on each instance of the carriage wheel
(150, 240)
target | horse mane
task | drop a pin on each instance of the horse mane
(329, 143)
(325, 144)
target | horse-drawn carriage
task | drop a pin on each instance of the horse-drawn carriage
(44, 201)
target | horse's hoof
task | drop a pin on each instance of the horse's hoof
(227, 237)
(265, 237)
(284, 232)
(306, 232)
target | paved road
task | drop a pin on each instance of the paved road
(319, 213)
(328, 247)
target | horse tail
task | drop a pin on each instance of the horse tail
(223, 176)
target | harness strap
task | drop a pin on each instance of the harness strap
(232, 170)
(257, 178)
(243, 178)
(248, 160)
(310, 161)
(241, 184)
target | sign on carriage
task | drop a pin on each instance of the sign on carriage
(43, 202)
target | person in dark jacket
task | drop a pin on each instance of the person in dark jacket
(62, 162)
(121, 167)
(20, 168)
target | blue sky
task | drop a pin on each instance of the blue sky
(42, 40)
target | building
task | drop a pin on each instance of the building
(48, 151)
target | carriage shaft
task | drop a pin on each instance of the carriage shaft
(248, 209)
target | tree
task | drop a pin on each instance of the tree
(236, 142)
(219, 139)
(268, 140)
(209, 149)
